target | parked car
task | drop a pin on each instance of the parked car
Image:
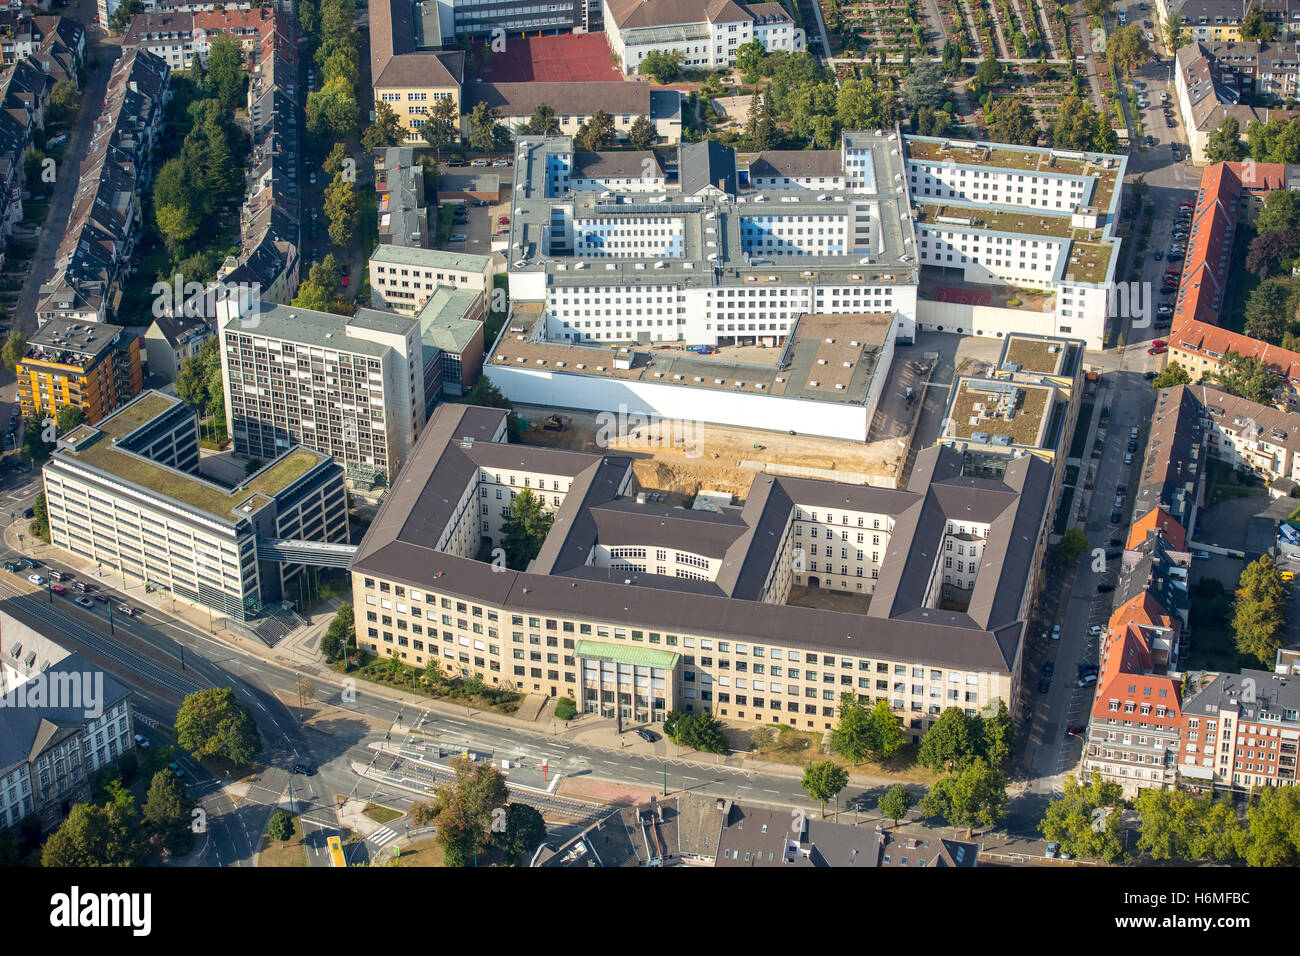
(80, 586)
(503, 220)
(1074, 729)
(1128, 458)
(30, 513)
(1175, 257)
(312, 178)
(646, 735)
(1096, 630)
(175, 768)
(1105, 587)
(305, 769)
(1052, 850)
(1159, 255)
(1044, 685)
(85, 602)
(1085, 680)
(1056, 632)
(479, 162)
(345, 280)
(457, 237)
(479, 202)
(1157, 350)
(36, 579)
(1116, 518)
(501, 162)
(141, 741)
(58, 589)
(1150, 376)
(1202, 555)
(1049, 668)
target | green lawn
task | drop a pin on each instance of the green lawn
(380, 815)
(290, 852)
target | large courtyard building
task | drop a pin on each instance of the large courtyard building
(408, 71)
(635, 609)
(129, 495)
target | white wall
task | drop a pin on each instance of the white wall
(992, 322)
(771, 412)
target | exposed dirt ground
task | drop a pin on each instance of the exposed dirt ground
(684, 457)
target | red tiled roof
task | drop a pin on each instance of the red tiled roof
(1203, 290)
(1157, 519)
(1211, 342)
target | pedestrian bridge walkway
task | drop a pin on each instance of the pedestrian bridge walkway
(317, 553)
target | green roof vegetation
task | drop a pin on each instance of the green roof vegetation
(1029, 223)
(1094, 261)
(1008, 157)
(284, 472)
(142, 410)
(1032, 355)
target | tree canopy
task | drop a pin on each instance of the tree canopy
(466, 809)
(1224, 144)
(526, 529)
(212, 723)
(1260, 618)
(1086, 820)
(1246, 376)
(823, 780)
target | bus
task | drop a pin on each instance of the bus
(335, 845)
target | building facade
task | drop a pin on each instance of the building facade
(706, 34)
(408, 71)
(404, 279)
(633, 610)
(94, 367)
(129, 495)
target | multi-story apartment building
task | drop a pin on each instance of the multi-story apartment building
(707, 34)
(408, 71)
(1221, 20)
(97, 250)
(636, 609)
(575, 103)
(91, 366)
(1212, 80)
(172, 339)
(399, 198)
(403, 278)
(128, 494)
(1243, 731)
(1200, 349)
(62, 720)
(180, 38)
(57, 43)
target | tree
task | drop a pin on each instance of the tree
(543, 122)
(1260, 618)
(823, 781)
(896, 802)
(526, 529)
(1071, 546)
(64, 101)
(92, 835)
(343, 209)
(69, 417)
(1275, 141)
(885, 734)
(988, 75)
(1273, 837)
(35, 446)
(1246, 376)
(1175, 36)
(924, 87)
(14, 350)
(1269, 249)
(466, 809)
(1174, 825)
(1173, 375)
(485, 130)
(280, 826)
(663, 66)
(224, 78)
(565, 709)
(1224, 144)
(320, 290)
(1270, 310)
(333, 110)
(525, 830)
(749, 59)
(123, 14)
(338, 635)
(704, 733)
(212, 723)
(597, 133)
(1281, 211)
(851, 738)
(1086, 821)
(333, 163)
(1098, 8)
(385, 131)
(1127, 49)
(998, 737)
(199, 381)
(442, 128)
(952, 57)
(862, 105)
(41, 518)
(1012, 121)
(952, 742)
(975, 797)
(641, 134)
(1255, 27)
(168, 807)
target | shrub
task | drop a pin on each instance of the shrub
(565, 709)
(281, 826)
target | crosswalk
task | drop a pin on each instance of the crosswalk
(383, 836)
